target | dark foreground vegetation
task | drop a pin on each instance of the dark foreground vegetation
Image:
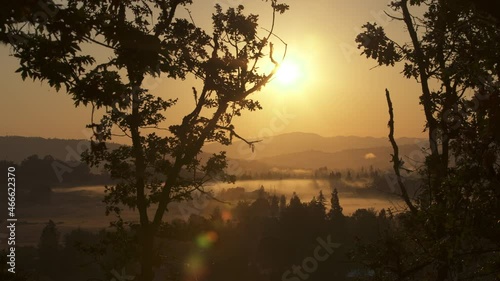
(449, 229)
(269, 238)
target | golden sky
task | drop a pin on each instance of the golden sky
(324, 87)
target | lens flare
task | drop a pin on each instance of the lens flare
(195, 267)
(207, 239)
(196, 264)
(226, 215)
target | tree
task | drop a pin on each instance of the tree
(154, 170)
(315, 214)
(216, 216)
(261, 207)
(295, 202)
(274, 206)
(74, 260)
(348, 177)
(335, 212)
(282, 204)
(38, 172)
(455, 45)
(318, 206)
(322, 199)
(49, 251)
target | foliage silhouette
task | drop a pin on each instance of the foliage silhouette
(153, 170)
(443, 236)
(251, 245)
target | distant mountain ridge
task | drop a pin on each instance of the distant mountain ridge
(300, 142)
(17, 148)
(377, 157)
(293, 150)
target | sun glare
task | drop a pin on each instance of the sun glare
(288, 73)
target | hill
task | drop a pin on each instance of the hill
(16, 148)
(293, 143)
(293, 150)
(377, 157)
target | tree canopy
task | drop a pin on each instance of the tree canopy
(451, 229)
(146, 38)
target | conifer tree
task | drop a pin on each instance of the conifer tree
(336, 209)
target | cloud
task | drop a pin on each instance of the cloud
(370, 156)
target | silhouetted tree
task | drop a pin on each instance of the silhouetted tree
(38, 172)
(335, 212)
(261, 207)
(455, 47)
(274, 208)
(216, 215)
(322, 199)
(348, 176)
(49, 252)
(365, 224)
(241, 211)
(295, 202)
(146, 39)
(317, 208)
(282, 204)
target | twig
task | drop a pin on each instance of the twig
(393, 17)
(99, 43)
(190, 16)
(233, 133)
(155, 127)
(195, 94)
(282, 41)
(209, 195)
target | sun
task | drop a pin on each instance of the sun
(288, 73)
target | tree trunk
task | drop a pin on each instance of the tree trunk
(147, 253)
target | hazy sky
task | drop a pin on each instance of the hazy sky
(326, 87)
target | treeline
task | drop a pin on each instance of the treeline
(269, 238)
(320, 173)
(36, 176)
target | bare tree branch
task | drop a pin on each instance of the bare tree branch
(397, 163)
(233, 133)
(393, 17)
